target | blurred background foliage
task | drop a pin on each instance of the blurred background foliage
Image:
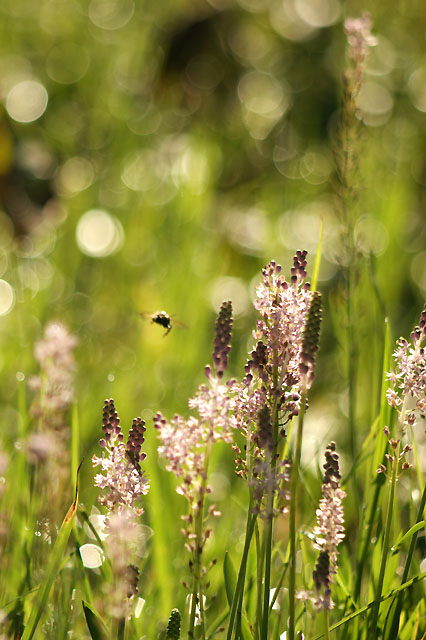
(157, 155)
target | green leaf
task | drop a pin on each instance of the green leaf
(230, 576)
(53, 567)
(97, 629)
(317, 259)
(370, 605)
(408, 534)
(245, 629)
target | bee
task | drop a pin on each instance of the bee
(160, 317)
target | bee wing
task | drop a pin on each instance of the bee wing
(178, 324)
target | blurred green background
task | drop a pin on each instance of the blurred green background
(155, 155)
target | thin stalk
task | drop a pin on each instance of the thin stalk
(197, 595)
(395, 620)
(376, 607)
(366, 539)
(385, 548)
(292, 523)
(271, 461)
(239, 589)
(352, 366)
(326, 632)
(267, 553)
(118, 628)
(259, 579)
(237, 602)
(271, 604)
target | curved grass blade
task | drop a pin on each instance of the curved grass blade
(409, 533)
(230, 576)
(368, 606)
(398, 609)
(53, 566)
(95, 625)
(317, 259)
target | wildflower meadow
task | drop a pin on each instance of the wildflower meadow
(212, 235)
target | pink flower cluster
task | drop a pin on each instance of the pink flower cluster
(359, 36)
(266, 480)
(54, 353)
(330, 530)
(408, 379)
(273, 371)
(184, 442)
(122, 479)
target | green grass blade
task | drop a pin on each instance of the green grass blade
(317, 258)
(368, 606)
(75, 444)
(398, 609)
(217, 625)
(53, 566)
(230, 576)
(407, 535)
(95, 625)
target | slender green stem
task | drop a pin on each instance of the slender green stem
(236, 602)
(395, 620)
(267, 581)
(385, 549)
(197, 591)
(271, 461)
(352, 365)
(374, 632)
(292, 523)
(118, 628)
(267, 550)
(326, 631)
(366, 539)
(259, 581)
(121, 629)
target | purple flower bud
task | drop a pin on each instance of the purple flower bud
(222, 338)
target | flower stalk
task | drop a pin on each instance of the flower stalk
(292, 520)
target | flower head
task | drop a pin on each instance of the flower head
(184, 441)
(121, 541)
(222, 340)
(122, 478)
(173, 626)
(329, 531)
(360, 39)
(54, 353)
(408, 379)
(273, 371)
(359, 36)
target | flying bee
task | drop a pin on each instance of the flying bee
(163, 319)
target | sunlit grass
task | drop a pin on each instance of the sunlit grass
(198, 182)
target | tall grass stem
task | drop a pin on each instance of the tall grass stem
(292, 523)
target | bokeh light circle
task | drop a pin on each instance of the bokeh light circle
(230, 288)
(417, 88)
(26, 101)
(318, 13)
(98, 233)
(75, 175)
(7, 298)
(111, 14)
(67, 62)
(92, 556)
